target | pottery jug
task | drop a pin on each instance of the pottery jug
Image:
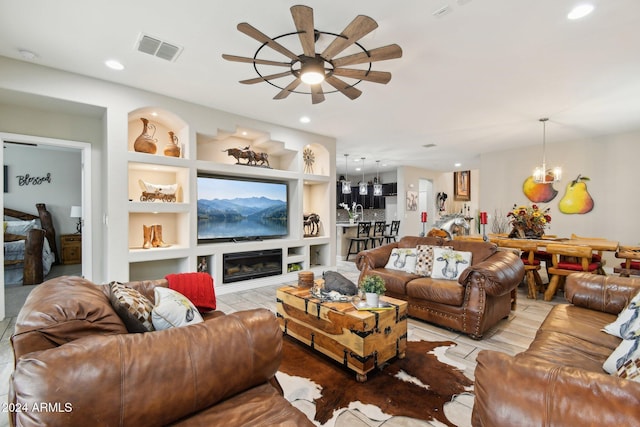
(145, 142)
(172, 149)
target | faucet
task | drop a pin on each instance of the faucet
(358, 217)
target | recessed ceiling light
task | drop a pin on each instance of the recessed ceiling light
(114, 65)
(457, 165)
(580, 11)
(27, 54)
(304, 119)
(358, 169)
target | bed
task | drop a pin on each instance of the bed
(29, 246)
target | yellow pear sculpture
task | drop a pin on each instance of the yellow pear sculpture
(576, 199)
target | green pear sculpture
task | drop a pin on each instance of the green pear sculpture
(576, 199)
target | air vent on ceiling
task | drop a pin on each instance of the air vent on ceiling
(156, 47)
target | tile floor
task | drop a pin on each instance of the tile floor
(510, 336)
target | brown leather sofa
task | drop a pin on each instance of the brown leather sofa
(479, 299)
(76, 365)
(559, 380)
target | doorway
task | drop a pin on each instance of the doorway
(81, 151)
(426, 202)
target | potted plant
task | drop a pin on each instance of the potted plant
(373, 287)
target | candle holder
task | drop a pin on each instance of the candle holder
(423, 219)
(483, 222)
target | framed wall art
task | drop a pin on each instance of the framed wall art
(462, 186)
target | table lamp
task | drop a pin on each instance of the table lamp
(76, 212)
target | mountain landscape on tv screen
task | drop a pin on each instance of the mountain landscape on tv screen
(256, 208)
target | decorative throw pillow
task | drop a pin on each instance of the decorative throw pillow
(627, 350)
(630, 370)
(403, 259)
(424, 263)
(628, 321)
(449, 264)
(132, 307)
(173, 309)
(20, 227)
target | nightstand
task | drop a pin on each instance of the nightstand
(71, 248)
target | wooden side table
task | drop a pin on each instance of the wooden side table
(71, 248)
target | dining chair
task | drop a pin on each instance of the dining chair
(377, 237)
(527, 250)
(597, 255)
(567, 259)
(393, 232)
(361, 240)
(631, 263)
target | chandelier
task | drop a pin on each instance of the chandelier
(542, 175)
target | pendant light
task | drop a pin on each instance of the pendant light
(542, 175)
(363, 185)
(377, 187)
(346, 184)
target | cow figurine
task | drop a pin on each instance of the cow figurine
(451, 259)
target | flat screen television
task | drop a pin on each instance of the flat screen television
(234, 209)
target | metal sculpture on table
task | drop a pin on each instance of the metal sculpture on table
(453, 225)
(311, 222)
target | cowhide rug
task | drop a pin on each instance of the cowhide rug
(417, 386)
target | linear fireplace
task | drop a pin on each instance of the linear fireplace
(251, 265)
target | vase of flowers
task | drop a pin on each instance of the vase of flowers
(528, 222)
(346, 208)
(373, 287)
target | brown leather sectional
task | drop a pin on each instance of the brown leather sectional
(559, 380)
(76, 365)
(479, 299)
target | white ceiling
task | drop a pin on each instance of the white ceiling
(473, 80)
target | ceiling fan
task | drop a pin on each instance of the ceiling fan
(312, 67)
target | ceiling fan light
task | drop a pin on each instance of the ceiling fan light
(312, 72)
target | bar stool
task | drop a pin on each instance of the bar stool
(361, 240)
(393, 232)
(379, 227)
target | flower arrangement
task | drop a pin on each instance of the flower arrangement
(346, 207)
(528, 221)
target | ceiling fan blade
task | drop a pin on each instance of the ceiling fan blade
(370, 76)
(263, 78)
(349, 91)
(303, 18)
(257, 61)
(391, 51)
(358, 28)
(287, 90)
(317, 95)
(254, 33)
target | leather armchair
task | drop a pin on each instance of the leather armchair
(75, 356)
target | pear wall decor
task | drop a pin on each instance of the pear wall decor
(538, 192)
(576, 199)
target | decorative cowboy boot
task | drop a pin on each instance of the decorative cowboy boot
(147, 230)
(157, 237)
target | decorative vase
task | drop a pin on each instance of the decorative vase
(372, 298)
(172, 149)
(352, 221)
(145, 143)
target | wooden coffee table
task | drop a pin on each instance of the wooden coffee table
(361, 340)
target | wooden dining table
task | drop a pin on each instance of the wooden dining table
(596, 244)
